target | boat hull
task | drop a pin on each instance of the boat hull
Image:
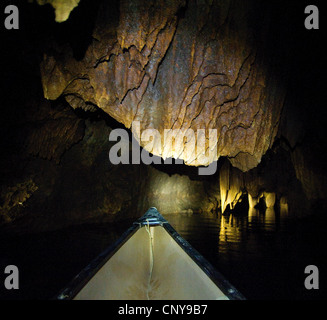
(151, 262)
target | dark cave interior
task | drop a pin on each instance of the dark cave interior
(54, 164)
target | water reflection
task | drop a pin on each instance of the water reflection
(234, 228)
(252, 246)
(270, 219)
(230, 236)
(254, 250)
(231, 229)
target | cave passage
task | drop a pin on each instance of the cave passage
(76, 72)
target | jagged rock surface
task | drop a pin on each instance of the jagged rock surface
(178, 66)
(274, 180)
(52, 132)
(167, 66)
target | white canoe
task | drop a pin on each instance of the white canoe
(151, 261)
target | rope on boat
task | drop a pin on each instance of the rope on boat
(147, 228)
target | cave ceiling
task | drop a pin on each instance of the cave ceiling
(182, 65)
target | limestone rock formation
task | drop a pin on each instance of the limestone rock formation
(62, 8)
(183, 65)
(14, 197)
(178, 194)
(167, 65)
(273, 182)
(231, 186)
(53, 132)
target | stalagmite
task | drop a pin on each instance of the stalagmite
(283, 205)
(270, 199)
(253, 201)
(231, 185)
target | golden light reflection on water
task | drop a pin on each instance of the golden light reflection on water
(229, 235)
(230, 229)
(270, 219)
(235, 228)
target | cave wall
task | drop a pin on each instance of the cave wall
(209, 64)
(186, 65)
(65, 177)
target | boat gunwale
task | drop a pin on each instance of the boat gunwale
(88, 272)
(219, 280)
(151, 218)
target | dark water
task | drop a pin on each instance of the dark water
(262, 254)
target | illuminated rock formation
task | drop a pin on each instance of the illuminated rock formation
(252, 201)
(178, 66)
(62, 8)
(231, 186)
(270, 199)
(183, 65)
